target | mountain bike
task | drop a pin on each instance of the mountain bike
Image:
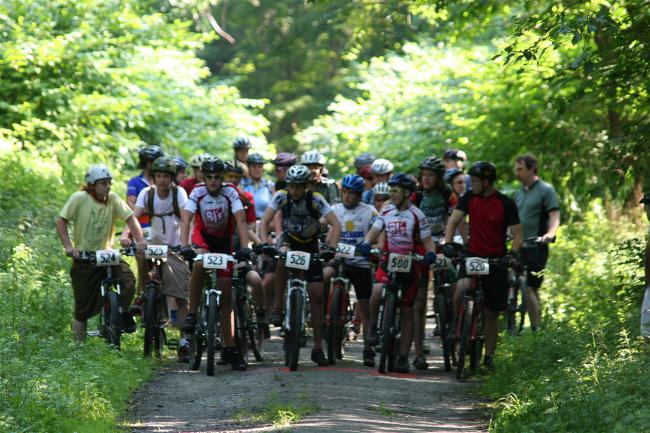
(110, 315)
(389, 314)
(249, 334)
(444, 308)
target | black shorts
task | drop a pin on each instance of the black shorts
(495, 287)
(360, 278)
(535, 260)
(315, 272)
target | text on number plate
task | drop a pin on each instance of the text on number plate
(399, 263)
(345, 251)
(442, 263)
(215, 261)
(156, 252)
(298, 260)
(107, 257)
(477, 266)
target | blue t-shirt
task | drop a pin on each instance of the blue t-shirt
(368, 196)
(262, 193)
(133, 188)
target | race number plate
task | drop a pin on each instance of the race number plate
(215, 261)
(399, 263)
(477, 266)
(345, 251)
(442, 263)
(107, 257)
(146, 233)
(156, 252)
(298, 260)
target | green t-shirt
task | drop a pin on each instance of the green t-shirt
(534, 205)
(94, 222)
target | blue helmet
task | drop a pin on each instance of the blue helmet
(354, 182)
(181, 163)
(403, 181)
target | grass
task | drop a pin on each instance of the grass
(281, 414)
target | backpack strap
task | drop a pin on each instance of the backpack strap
(309, 196)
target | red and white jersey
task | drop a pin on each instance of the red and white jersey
(214, 213)
(404, 228)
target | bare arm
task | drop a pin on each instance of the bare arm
(429, 244)
(371, 236)
(62, 230)
(335, 232)
(553, 224)
(135, 229)
(186, 221)
(517, 237)
(455, 219)
(267, 217)
(242, 228)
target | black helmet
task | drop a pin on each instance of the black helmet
(404, 181)
(150, 153)
(255, 158)
(241, 143)
(213, 165)
(233, 167)
(434, 164)
(363, 159)
(484, 170)
(165, 164)
(451, 175)
(455, 154)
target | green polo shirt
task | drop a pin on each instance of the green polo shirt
(534, 204)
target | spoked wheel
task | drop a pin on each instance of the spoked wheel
(110, 319)
(197, 346)
(510, 315)
(334, 330)
(465, 331)
(211, 332)
(441, 314)
(386, 359)
(294, 334)
(241, 327)
(153, 333)
(476, 345)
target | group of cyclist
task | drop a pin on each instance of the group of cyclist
(228, 206)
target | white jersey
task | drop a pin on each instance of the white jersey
(355, 224)
(404, 228)
(214, 214)
(165, 229)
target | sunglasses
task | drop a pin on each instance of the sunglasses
(381, 198)
(213, 176)
(395, 190)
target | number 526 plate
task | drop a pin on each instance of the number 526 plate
(297, 260)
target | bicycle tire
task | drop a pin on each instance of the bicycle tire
(150, 321)
(296, 304)
(112, 320)
(334, 329)
(510, 315)
(211, 332)
(387, 337)
(477, 344)
(441, 314)
(466, 328)
(241, 326)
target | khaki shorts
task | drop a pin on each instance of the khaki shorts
(86, 280)
(175, 277)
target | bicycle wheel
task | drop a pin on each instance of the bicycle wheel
(466, 328)
(151, 322)
(441, 314)
(111, 320)
(241, 325)
(211, 333)
(334, 329)
(510, 314)
(296, 304)
(197, 344)
(478, 343)
(387, 335)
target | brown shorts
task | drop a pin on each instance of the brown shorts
(86, 279)
(175, 277)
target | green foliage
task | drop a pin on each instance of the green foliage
(587, 370)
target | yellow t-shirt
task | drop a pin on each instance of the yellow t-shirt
(94, 222)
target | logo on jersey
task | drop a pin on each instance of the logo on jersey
(349, 226)
(396, 228)
(214, 216)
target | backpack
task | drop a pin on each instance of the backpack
(176, 210)
(309, 194)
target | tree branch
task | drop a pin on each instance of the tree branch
(216, 27)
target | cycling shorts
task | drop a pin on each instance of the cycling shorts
(315, 272)
(535, 260)
(409, 282)
(215, 245)
(360, 278)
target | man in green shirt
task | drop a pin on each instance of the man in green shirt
(646, 204)
(94, 212)
(539, 212)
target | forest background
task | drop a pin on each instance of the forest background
(88, 81)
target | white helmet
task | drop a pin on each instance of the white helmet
(381, 188)
(97, 172)
(381, 166)
(298, 174)
(196, 160)
(312, 157)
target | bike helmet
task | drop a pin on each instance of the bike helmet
(312, 157)
(363, 160)
(404, 181)
(150, 153)
(434, 164)
(382, 166)
(196, 160)
(353, 182)
(451, 175)
(366, 172)
(381, 189)
(97, 172)
(233, 167)
(484, 170)
(298, 174)
(255, 158)
(165, 164)
(455, 154)
(241, 143)
(181, 163)
(285, 159)
(212, 165)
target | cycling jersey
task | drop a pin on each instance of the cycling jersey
(436, 206)
(133, 188)
(355, 223)
(188, 184)
(214, 214)
(261, 191)
(300, 221)
(404, 228)
(489, 219)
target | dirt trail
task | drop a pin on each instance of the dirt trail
(347, 397)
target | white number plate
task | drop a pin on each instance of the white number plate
(298, 260)
(399, 263)
(442, 263)
(107, 257)
(156, 252)
(215, 261)
(345, 251)
(477, 266)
